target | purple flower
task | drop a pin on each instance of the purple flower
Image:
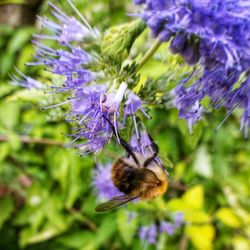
(141, 142)
(215, 34)
(70, 63)
(166, 227)
(143, 232)
(170, 228)
(103, 184)
(240, 97)
(187, 101)
(132, 104)
(22, 80)
(66, 29)
(152, 234)
(88, 111)
(139, 1)
(177, 43)
(178, 219)
(148, 233)
(91, 104)
(218, 86)
(222, 26)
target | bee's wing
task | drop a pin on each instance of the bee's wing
(114, 202)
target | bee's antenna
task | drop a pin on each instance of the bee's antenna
(156, 151)
(122, 142)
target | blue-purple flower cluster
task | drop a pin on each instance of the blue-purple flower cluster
(150, 233)
(93, 97)
(102, 182)
(215, 34)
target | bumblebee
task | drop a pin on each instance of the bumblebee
(136, 176)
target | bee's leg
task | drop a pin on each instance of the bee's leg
(129, 150)
(126, 146)
(155, 149)
(154, 145)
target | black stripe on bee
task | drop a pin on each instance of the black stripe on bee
(127, 178)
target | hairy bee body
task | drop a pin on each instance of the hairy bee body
(139, 175)
(136, 180)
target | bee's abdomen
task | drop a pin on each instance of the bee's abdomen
(124, 177)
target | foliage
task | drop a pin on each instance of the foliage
(13, 2)
(47, 198)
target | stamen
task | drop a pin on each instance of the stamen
(116, 129)
(56, 105)
(81, 17)
(136, 129)
(145, 114)
(44, 37)
(226, 117)
(58, 10)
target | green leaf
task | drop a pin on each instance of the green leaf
(202, 163)
(13, 2)
(153, 69)
(163, 64)
(6, 89)
(106, 230)
(9, 114)
(27, 95)
(196, 217)
(5, 30)
(56, 217)
(6, 61)
(6, 208)
(21, 37)
(165, 160)
(176, 205)
(25, 55)
(119, 39)
(240, 243)
(29, 237)
(75, 187)
(191, 139)
(227, 216)
(127, 226)
(59, 166)
(201, 236)
(14, 141)
(4, 151)
(78, 240)
(194, 197)
(180, 169)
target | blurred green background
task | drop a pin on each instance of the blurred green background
(47, 198)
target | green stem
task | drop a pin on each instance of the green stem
(149, 53)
